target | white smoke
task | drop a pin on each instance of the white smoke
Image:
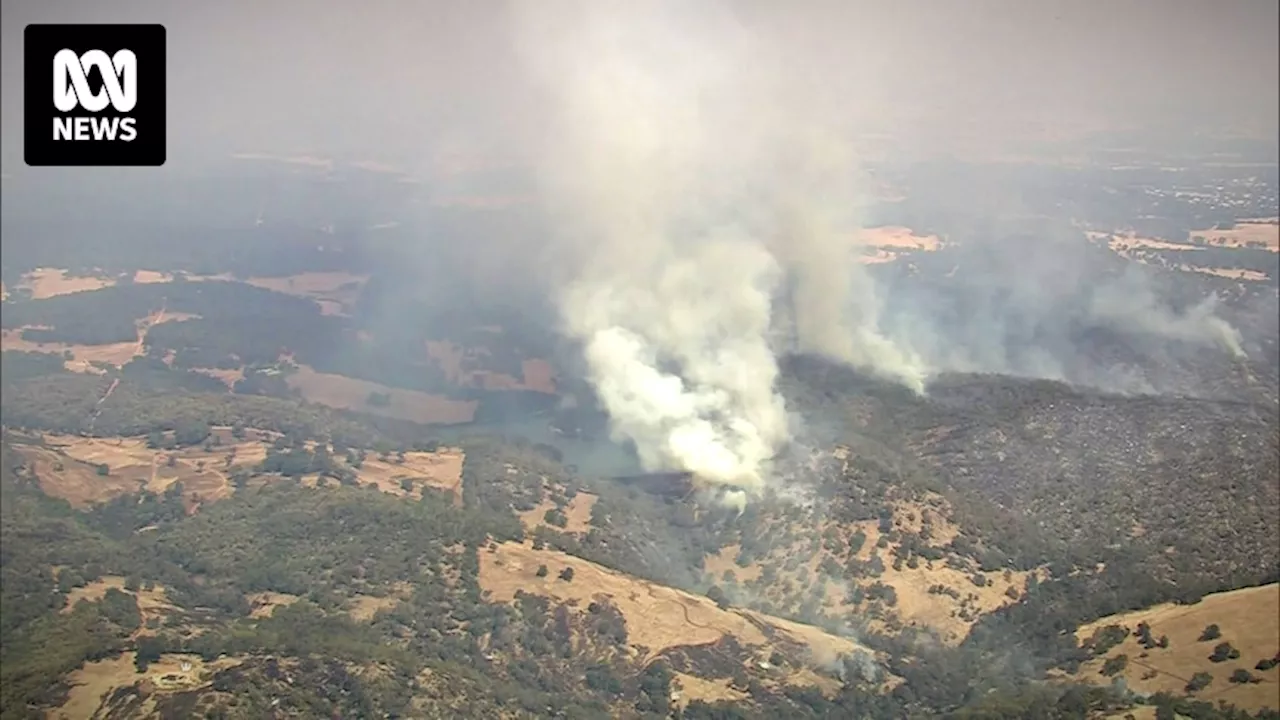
(835, 306)
(1130, 304)
(682, 196)
(705, 313)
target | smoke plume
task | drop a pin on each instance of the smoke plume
(687, 198)
(702, 199)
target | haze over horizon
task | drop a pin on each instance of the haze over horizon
(402, 81)
(690, 163)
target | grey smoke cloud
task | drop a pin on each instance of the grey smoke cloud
(1032, 305)
(395, 79)
(702, 188)
(699, 187)
(687, 179)
(1130, 304)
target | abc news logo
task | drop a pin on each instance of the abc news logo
(71, 90)
(108, 101)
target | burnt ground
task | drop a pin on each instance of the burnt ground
(1045, 472)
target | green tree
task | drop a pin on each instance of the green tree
(1223, 652)
(149, 649)
(1114, 665)
(555, 517)
(1242, 676)
(1198, 682)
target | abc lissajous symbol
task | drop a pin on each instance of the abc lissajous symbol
(119, 81)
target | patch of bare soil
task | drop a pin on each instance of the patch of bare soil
(93, 684)
(339, 391)
(932, 594)
(49, 282)
(725, 561)
(151, 277)
(364, 608)
(459, 366)
(1262, 234)
(692, 687)
(577, 514)
(1140, 712)
(1245, 235)
(449, 357)
(68, 467)
(1248, 618)
(657, 617)
(970, 594)
(896, 236)
(889, 243)
(441, 469)
(228, 377)
(1125, 243)
(79, 482)
(539, 375)
(263, 604)
(169, 316)
(949, 616)
(877, 256)
(116, 354)
(1229, 273)
(153, 603)
(334, 292)
(83, 366)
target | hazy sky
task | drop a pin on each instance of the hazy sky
(400, 80)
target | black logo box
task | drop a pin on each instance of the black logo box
(41, 43)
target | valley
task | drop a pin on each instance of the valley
(327, 457)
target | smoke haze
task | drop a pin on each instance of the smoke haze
(698, 176)
(703, 190)
(690, 174)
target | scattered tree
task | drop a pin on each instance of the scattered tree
(1223, 652)
(1115, 665)
(1243, 677)
(555, 517)
(1198, 682)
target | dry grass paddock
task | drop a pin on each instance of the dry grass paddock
(536, 374)
(68, 468)
(339, 391)
(1248, 618)
(657, 617)
(91, 686)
